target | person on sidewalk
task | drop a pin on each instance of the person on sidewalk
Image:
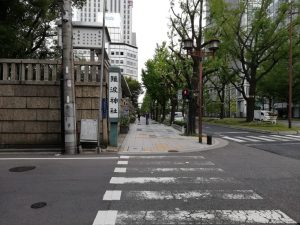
(139, 117)
(147, 118)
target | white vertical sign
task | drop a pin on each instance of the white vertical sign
(113, 106)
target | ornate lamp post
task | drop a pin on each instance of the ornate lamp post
(213, 45)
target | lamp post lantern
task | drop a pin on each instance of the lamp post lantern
(213, 45)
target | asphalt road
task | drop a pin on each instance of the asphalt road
(232, 185)
(284, 144)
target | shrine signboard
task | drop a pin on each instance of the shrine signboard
(114, 95)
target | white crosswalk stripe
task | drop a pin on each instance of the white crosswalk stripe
(233, 139)
(168, 180)
(126, 188)
(180, 217)
(166, 170)
(248, 139)
(275, 138)
(263, 138)
(180, 195)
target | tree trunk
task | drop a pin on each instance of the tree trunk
(191, 117)
(251, 103)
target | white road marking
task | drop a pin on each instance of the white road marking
(295, 136)
(177, 217)
(112, 195)
(195, 163)
(183, 195)
(122, 163)
(168, 180)
(263, 139)
(163, 157)
(153, 170)
(247, 139)
(106, 217)
(235, 132)
(285, 137)
(124, 157)
(120, 170)
(233, 139)
(81, 158)
(275, 138)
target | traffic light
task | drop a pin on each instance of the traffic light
(185, 94)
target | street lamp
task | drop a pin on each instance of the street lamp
(213, 45)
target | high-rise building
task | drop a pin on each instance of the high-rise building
(123, 51)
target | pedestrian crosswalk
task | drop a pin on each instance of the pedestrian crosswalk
(263, 138)
(181, 192)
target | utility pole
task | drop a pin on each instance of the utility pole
(68, 79)
(100, 119)
(290, 69)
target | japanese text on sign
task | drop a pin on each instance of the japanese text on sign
(113, 95)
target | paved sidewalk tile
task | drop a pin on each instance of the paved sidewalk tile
(157, 137)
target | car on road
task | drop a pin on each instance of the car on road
(178, 117)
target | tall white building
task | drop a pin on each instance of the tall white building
(93, 8)
(123, 51)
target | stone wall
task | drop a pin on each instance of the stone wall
(30, 112)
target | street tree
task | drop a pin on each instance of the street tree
(135, 89)
(26, 28)
(186, 21)
(253, 40)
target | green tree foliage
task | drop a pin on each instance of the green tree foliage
(162, 78)
(254, 47)
(26, 27)
(135, 89)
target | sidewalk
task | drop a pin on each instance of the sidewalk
(159, 138)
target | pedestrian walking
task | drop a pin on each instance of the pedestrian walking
(147, 118)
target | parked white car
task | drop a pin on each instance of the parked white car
(178, 117)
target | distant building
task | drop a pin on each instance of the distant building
(123, 51)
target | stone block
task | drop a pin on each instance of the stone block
(48, 115)
(36, 127)
(83, 103)
(25, 90)
(86, 114)
(95, 103)
(49, 91)
(48, 139)
(37, 102)
(17, 139)
(54, 103)
(53, 127)
(12, 126)
(24, 114)
(12, 102)
(7, 114)
(90, 91)
(78, 91)
(7, 90)
(95, 114)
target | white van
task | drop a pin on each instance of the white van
(264, 115)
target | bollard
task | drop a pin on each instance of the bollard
(209, 139)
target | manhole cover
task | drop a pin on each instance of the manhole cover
(173, 150)
(22, 168)
(138, 129)
(38, 205)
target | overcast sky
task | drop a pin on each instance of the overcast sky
(150, 19)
